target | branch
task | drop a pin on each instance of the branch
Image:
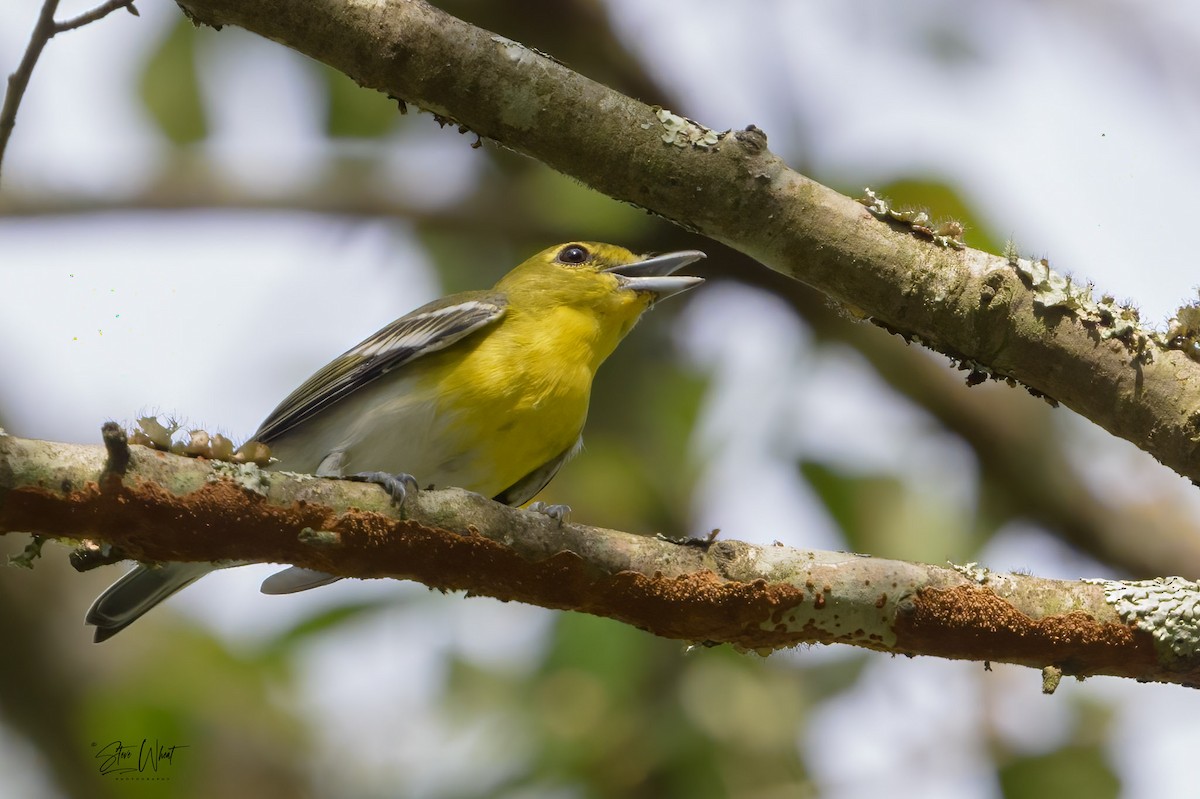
(95, 15)
(167, 507)
(43, 31)
(1006, 317)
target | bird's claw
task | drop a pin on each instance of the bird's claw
(687, 541)
(396, 485)
(556, 512)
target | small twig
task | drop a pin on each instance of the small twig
(43, 31)
(117, 445)
(97, 13)
(19, 80)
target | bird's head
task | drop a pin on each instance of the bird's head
(586, 272)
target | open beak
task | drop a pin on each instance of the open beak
(654, 275)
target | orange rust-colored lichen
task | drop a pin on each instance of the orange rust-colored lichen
(971, 622)
(147, 522)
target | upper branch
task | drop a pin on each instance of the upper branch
(1000, 316)
(163, 507)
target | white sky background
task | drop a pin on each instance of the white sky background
(1072, 128)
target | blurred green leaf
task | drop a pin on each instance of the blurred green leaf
(607, 715)
(354, 111)
(857, 503)
(884, 515)
(557, 200)
(1070, 771)
(188, 690)
(1080, 767)
(606, 486)
(170, 89)
(635, 472)
(614, 653)
(823, 679)
(467, 263)
(312, 626)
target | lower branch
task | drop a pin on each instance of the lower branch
(166, 507)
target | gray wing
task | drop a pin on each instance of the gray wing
(428, 329)
(528, 486)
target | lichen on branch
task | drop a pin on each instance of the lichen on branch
(167, 507)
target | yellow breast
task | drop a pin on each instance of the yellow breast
(519, 398)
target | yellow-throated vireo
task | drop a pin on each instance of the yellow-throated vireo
(484, 390)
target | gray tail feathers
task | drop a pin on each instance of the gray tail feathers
(124, 602)
(294, 579)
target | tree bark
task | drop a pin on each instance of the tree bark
(165, 507)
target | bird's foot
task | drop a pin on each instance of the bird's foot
(688, 541)
(556, 512)
(396, 485)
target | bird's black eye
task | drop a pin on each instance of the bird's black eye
(573, 254)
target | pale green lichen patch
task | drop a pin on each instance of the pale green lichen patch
(771, 563)
(1113, 320)
(944, 234)
(1186, 321)
(1183, 331)
(862, 617)
(845, 622)
(973, 572)
(682, 132)
(247, 475)
(1124, 325)
(321, 539)
(1052, 290)
(1051, 677)
(1168, 608)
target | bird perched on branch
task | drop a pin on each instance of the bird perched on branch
(484, 390)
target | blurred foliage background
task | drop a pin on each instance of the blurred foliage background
(753, 406)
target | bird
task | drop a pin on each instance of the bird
(484, 390)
